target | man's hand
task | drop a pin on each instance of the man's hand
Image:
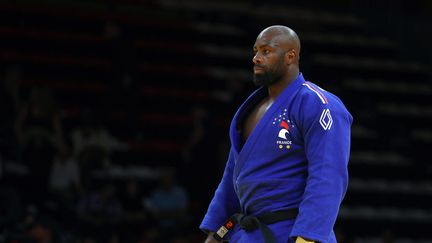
(211, 239)
(302, 240)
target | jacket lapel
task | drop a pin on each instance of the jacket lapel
(258, 133)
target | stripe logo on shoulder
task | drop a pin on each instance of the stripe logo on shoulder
(317, 90)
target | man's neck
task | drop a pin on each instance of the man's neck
(275, 89)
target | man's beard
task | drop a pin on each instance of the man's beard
(267, 78)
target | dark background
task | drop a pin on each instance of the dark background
(130, 92)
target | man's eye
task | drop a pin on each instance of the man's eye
(266, 51)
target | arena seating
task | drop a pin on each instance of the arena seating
(142, 66)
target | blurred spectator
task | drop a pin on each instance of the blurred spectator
(10, 100)
(65, 179)
(134, 213)
(92, 146)
(10, 96)
(168, 204)
(93, 135)
(39, 133)
(201, 154)
(132, 202)
(100, 213)
(40, 233)
(11, 91)
(232, 95)
(100, 206)
(38, 122)
(200, 121)
(65, 185)
(33, 227)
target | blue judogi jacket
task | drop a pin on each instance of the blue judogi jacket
(296, 157)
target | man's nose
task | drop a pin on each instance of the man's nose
(256, 59)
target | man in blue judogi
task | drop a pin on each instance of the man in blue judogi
(286, 173)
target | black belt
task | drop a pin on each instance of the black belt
(249, 223)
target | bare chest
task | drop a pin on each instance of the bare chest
(254, 117)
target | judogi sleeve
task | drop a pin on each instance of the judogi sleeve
(326, 132)
(224, 203)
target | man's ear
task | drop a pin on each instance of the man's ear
(290, 56)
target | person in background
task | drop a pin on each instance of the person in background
(168, 204)
(39, 132)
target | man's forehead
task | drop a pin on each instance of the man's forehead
(267, 40)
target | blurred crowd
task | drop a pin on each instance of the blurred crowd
(49, 191)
